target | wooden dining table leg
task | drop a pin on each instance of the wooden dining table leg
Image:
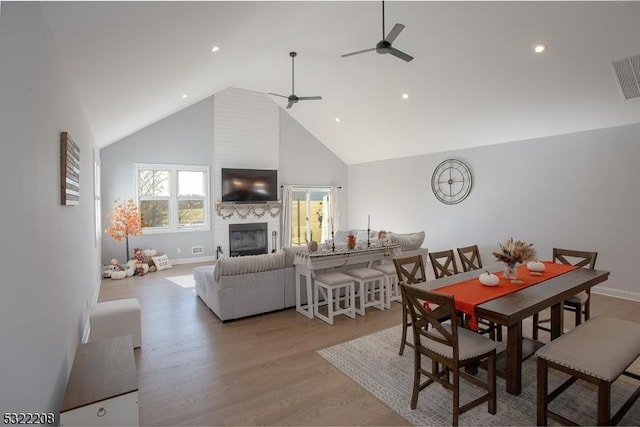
(514, 358)
(557, 320)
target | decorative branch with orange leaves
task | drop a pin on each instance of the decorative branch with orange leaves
(126, 221)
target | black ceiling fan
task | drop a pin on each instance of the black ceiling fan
(384, 45)
(293, 98)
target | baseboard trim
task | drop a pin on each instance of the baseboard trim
(193, 260)
(617, 293)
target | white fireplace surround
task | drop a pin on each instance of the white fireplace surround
(246, 129)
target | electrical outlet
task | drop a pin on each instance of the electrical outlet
(178, 250)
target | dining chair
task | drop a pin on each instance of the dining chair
(443, 263)
(469, 258)
(451, 348)
(578, 304)
(409, 270)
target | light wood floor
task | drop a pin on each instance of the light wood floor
(263, 370)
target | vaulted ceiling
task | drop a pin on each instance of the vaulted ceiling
(474, 80)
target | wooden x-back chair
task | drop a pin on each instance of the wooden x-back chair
(578, 304)
(443, 263)
(409, 270)
(451, 349)
(470, 258)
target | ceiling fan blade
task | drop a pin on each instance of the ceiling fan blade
(395, 31)
(290, 104)
(358, 52)
(399, 54)
(308, 98)
(281, 96)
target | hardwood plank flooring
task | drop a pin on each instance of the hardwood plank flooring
(262, 370)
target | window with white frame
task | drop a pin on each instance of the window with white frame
(173, 197)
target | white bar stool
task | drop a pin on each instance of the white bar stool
(370, 288)
(326, 284)
(391, 288)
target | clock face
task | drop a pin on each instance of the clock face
(451, 181)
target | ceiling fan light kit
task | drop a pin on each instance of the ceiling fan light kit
(292, 99)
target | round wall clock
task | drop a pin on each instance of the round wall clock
(451, 181)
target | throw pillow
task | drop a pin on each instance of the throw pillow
(161, 262)
(360, 234)
(408, 242)
(340, 236)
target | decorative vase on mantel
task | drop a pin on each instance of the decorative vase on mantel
(510, 271)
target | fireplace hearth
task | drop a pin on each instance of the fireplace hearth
(248, 239)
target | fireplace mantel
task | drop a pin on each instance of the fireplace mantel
(243, 210)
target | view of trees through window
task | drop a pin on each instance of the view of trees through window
(172, 197)
(309, 216)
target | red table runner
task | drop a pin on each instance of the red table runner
(471, 292)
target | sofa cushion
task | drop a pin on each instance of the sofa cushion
(291, 252)
(249, 264)
(408, 242)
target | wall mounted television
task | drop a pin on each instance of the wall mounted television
(249, 185)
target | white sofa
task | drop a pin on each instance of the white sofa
(243, 286)
(238, 287)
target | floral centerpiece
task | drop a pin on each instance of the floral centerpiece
(126, 221)
(513, 252)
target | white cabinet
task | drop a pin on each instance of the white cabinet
(103, 385)
(117, 411)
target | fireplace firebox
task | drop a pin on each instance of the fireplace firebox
(248, 239)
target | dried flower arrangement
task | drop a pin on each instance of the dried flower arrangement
(126, 221)
(514, 251)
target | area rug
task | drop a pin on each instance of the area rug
(185, 281)
(373, 362)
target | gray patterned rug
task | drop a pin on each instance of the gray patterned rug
(373, 362)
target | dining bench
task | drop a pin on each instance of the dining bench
(599, 352)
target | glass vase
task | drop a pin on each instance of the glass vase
(510, 271)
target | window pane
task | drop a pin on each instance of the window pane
(191, 213)
(309, 216)
(299, 218)
(153, 183)
(155, 213)
(190, 183)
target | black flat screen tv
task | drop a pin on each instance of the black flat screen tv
(249, 185)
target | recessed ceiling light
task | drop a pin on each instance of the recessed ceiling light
(405, 96)
(184, 95)
(338, 119)
(539, 48)
(215, 48)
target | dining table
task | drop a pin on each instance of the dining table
(518, 300)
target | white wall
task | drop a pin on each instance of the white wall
(246, 136)
(184, 138)
(49, 259)
(304, 160)
(576, 191)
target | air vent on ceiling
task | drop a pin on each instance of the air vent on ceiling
(628, 73)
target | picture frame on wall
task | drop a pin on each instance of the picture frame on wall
(69, 171)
